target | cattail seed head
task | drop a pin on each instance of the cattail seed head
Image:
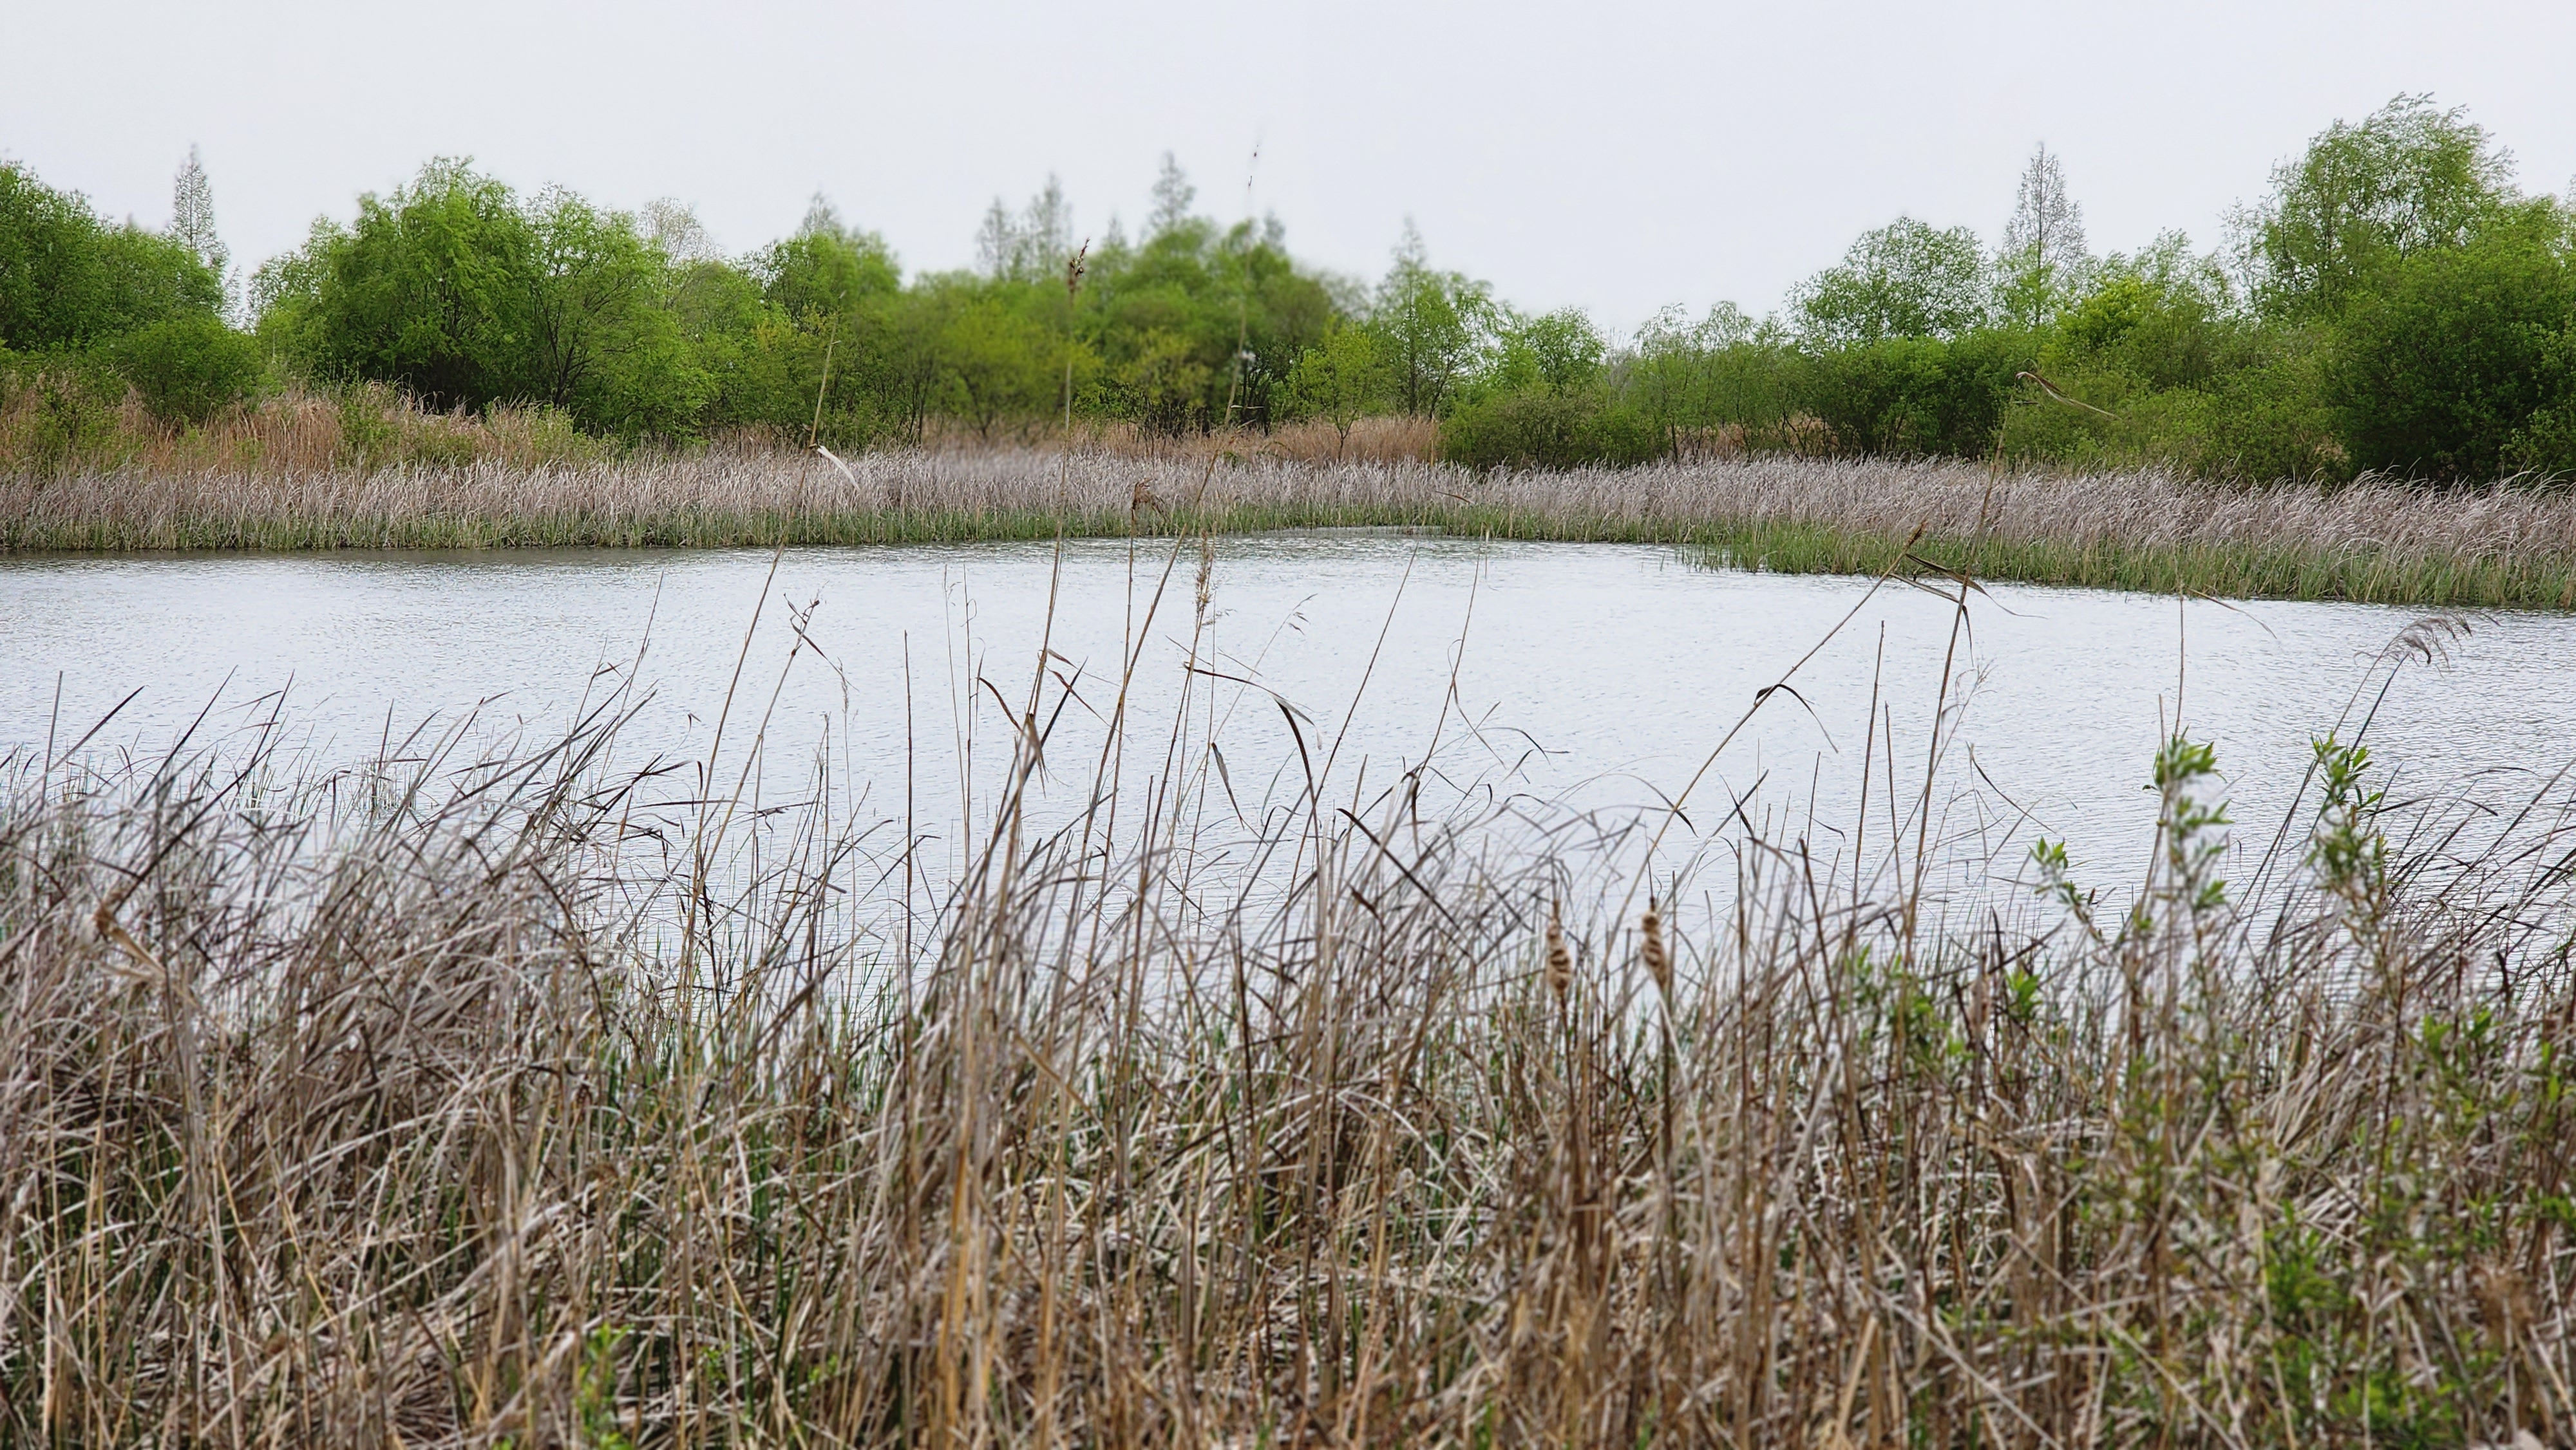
(1659, 963)
(1560, 962)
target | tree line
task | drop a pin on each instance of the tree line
(2393, 302)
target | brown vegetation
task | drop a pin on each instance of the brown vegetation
(2373, 540)
(420, 1106)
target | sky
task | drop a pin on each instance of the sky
(1618, 156)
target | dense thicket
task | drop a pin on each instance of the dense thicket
(2392, 304)
(88, 309)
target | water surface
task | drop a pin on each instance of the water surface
(1600, 676)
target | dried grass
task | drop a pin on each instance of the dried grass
(52, 425)
(418, 1107)
(1371, 440)
(2376, 540)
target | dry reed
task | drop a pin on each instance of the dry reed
(2376, 540)
(417, 1106)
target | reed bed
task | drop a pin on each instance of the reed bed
(435, 1104)
(2377, 541)
(52, 424)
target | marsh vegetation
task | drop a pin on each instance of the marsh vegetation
(2373, 541)
(534, 1097)
(548, 1089)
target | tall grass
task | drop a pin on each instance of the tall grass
(2378, 540)
(433, 1104)
(53, 424)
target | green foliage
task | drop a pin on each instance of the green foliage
(999, 360)
(456, 290)
(2189, 826)
(1906, 279)
(1341, 379)
(1724, 371)
(69, 280)
(817, 334)
(2461, 365)
(1916, 394)
(1432, 325)
(1544, 428)
(2347, 849)
(2409, 179)
(2407, 314)
(1196, 327)
(104, 306)
(189, 367)
(827, 268)
(2545, 445)
(2260, 418)
(1558, 352)
(58, 414)
(428, 291)
(2268, 420)
(2398, 308)
(603, 346)
(2160, 318)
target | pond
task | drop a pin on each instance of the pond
(1591, 678)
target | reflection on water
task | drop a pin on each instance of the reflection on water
(1598, 676)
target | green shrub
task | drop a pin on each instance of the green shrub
(2036, 427)
(1725, 372)
(1916, 394)
(58, 412)
(2546, 445)
(1536, 428)
(2267, 422)
(2444, 372)
(188, 368)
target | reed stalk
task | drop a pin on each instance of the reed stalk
(432, 1103)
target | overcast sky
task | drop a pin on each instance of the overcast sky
(1616, 156)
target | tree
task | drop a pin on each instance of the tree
(1173, 196)
(192, 215)
(1558, 351)
(1430, 323)
(996, 360)
(1723, 371)
(2410, 177)
(2043, 258)
(1341, 380)
(1167, 384)
(2158, 317)
(2446, 368)
(1031, 246)
(673, 226)
(827, 268)
(68, 280)
(453, 289)
(1906, 279)
(602, 346)
(426, 290)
